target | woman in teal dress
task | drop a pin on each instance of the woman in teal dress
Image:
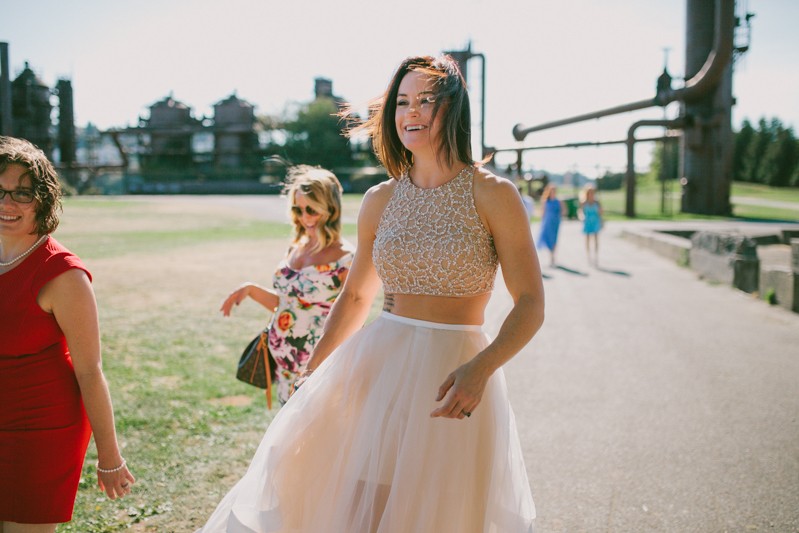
(591, 215)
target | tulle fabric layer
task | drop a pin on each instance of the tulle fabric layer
(355, 449)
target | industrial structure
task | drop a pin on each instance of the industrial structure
(168, 150)
(25, 110)
(704, 121)
(220, 153)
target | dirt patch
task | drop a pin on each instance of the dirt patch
(232, 401)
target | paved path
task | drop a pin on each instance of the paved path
(652, 401)
(767, 203)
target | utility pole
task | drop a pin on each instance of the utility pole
(462, 57)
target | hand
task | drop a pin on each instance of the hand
(116, 484)
(461, 391)
(235, 298)
(300, 380)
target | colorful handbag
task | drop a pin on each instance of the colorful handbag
(257, 366)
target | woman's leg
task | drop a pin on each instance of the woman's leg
(588, 246)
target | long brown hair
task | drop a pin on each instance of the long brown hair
(452, 99)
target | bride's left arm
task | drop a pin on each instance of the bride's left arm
(501, 208)
(499, 203)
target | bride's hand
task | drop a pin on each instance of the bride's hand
(300, 380)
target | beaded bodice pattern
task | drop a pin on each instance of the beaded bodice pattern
(432, 241)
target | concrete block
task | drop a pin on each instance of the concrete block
(729, 258)
(780, 282)
(662, 243)
(795, 273)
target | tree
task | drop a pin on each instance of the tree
(665, 160)
(780, 159)
(315, 137)
(757, 149)
(743, 139)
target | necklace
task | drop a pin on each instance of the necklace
(23, 254)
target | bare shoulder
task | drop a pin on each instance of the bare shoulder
(375, 201)
(493, 192)
(384, 189)
(67, 288)
(72, 279)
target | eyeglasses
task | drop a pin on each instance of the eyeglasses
(297, 210)
(21, 196)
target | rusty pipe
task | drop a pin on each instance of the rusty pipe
(629, 176)
(520, 131)
(696, 87)
(717, 60)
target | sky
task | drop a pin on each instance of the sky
(543, 60)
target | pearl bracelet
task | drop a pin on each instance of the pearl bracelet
(111, 470)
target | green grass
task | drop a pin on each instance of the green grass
(649, 196)
(187, 427)
(765, 192)
(647, 202)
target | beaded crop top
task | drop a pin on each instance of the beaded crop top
(432, 241)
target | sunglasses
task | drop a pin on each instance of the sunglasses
(21, 196)
(297, 210)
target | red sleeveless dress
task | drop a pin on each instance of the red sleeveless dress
(44, 431)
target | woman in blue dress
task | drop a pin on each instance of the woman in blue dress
(552, 211)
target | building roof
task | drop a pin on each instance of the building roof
(28, 77)
(233, 100)
(169, 101)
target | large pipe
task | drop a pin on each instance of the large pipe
(580, 144)
(6, 126)
(709, 75)
(699, 85)
(520, 131)
(482, 105)
(629, 177)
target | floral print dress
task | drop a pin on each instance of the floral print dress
(306, 296)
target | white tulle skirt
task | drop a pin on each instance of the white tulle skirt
(355, 449)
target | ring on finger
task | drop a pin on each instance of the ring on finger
(465, 413)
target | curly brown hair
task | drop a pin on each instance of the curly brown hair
(44, 179)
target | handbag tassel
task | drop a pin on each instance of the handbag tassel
(263, 348)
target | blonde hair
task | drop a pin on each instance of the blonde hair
(548, 191)
(584, 193)
(323, 192)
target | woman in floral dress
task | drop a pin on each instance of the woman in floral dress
(308, 279)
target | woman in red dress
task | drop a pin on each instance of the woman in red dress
(53, 393)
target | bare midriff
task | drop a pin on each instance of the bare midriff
(442, 309)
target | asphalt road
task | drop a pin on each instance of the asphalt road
(653, 401)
